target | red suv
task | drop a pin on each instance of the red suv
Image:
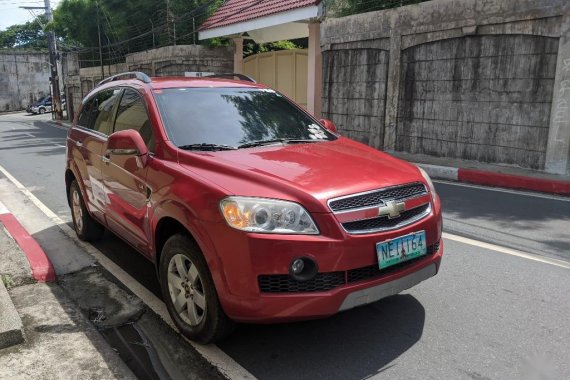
(250, 208)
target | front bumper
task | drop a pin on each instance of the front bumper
(246, 258)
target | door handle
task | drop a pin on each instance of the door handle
(78, 144)
(106, 159)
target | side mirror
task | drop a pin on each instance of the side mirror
(127, 143)
(329, 125)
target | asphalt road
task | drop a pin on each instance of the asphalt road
(486, 315)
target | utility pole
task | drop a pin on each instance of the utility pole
(52, 48)
(100, 49)
(53, 57)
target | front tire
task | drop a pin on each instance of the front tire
(189, 292)
(86, 228)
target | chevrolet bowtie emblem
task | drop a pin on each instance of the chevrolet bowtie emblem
(392, 209)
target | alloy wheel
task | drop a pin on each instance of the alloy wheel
(77, 210)
(186, 290)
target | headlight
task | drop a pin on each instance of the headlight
(428, 180)
(267, 216)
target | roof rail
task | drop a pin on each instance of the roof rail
(231, 75)
(131, 74)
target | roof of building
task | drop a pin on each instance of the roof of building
(236, 11)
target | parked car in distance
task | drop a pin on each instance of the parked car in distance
(251, 209)
(44, 105)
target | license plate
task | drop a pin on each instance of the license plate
(400, 249)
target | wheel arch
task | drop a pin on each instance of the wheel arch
(173, 217)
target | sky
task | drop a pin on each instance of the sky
(11, 14)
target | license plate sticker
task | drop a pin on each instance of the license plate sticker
(400, 249)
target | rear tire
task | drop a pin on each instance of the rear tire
(86, 228)
(42, 111)
(189, 292)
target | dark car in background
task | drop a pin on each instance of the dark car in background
(44, 105)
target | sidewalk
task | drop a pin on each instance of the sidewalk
(88, 324)
(59, 341)
(485, 174)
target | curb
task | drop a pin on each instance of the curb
(11, 328)
(487, 178)
(40, 264)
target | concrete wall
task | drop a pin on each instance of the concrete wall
(165, 61)
(24, 78)
(483, 80)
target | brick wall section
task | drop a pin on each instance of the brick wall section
(165, 61)
(484, 98)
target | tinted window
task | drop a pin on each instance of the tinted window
(233, 116)
(132, 114)
(97, 112)
(102, 110)
(85, 115)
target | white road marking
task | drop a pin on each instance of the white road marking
(29, 134)
(212, 353)
(509, 191)
(508, 251)
(3, 209)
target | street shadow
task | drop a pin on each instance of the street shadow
(50, 141)
(535, 224)
(355, 344)
(132, 262)
(507, 209)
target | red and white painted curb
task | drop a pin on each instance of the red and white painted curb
(486, 178)
(42, 268)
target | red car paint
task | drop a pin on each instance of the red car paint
(187, 186)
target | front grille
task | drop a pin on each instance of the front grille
(378, 197)
(383, 222)
(282, 283)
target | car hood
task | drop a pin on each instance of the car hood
(309, 174)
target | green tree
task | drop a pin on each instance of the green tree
(25, 36)
(130, 25)
(250, 48)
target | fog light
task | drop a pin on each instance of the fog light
(303, 268)
(297, 266)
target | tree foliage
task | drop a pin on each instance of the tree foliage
(126, 26)
(250, 48)
(25, 36)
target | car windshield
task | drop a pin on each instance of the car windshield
(230, 118)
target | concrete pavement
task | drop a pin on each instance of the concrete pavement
(103, 317)
(59, 340)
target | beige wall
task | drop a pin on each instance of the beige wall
(285, 71)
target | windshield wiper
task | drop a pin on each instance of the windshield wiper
(207, 146)
(274, 141)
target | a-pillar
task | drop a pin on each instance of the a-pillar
(238, 55)
(315, 72)
(558, 147)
